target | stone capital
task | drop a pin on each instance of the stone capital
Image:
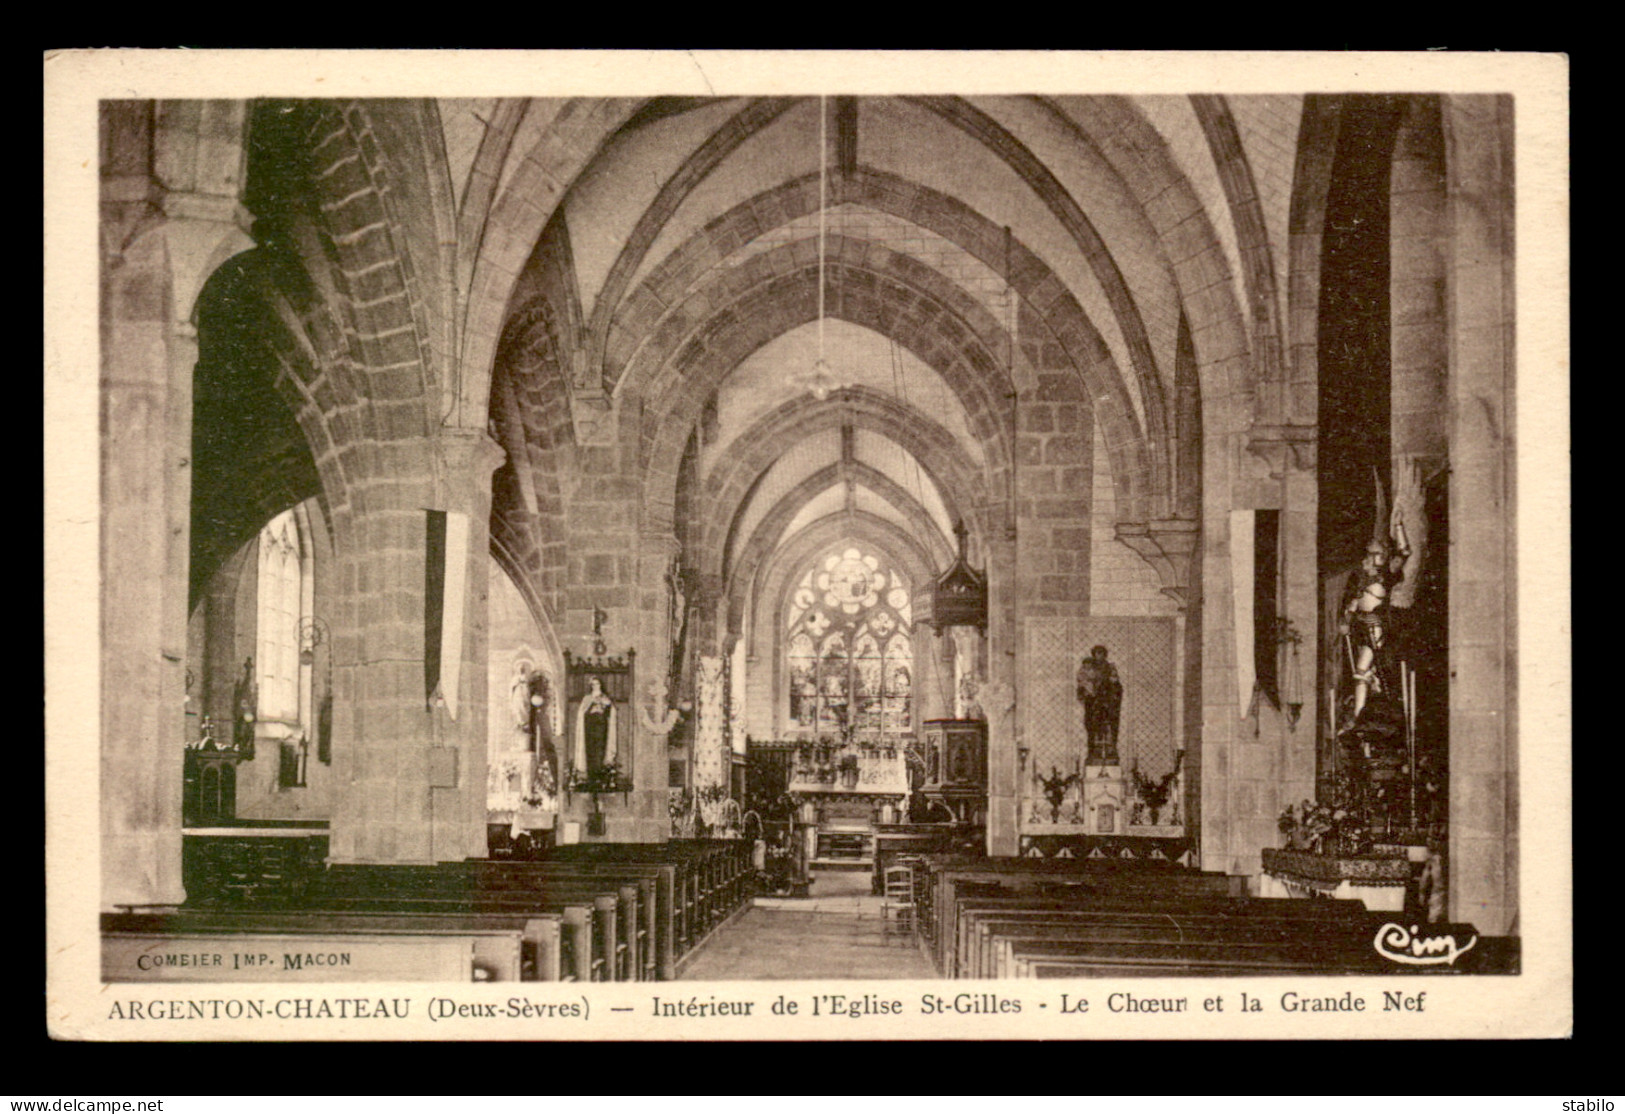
(464, 460)
(703, 589)
(1168, 545)
(594, 413)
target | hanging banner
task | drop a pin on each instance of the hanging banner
(445, 583)
(1242, 527)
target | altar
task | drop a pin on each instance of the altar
(843, 792)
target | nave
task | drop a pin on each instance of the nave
(839, 932)
(552, 538)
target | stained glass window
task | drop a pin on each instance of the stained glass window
(280, 583)
(849, 654)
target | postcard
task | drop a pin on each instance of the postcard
(807, 545)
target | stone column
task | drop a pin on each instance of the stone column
(385, 726)
(1483, 862)
(410, 773)
(168, 217)
(1283, 460)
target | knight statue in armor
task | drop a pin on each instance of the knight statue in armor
(1364, 623)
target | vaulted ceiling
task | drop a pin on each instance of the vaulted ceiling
(679, 274)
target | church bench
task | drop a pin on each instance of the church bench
(638, 886)
(711, 877)
(999, 939)
(1070, 879)
(605, 949)
(723, 871)
(176, 948)
(1230, 917)
(947, 873)
(593, 919)
(645, 892)
(251, 860)
(545, 949)
(679, 890)
(655, 882)
(1349, 947)
(1030, 958)
(985, 928)
(705, 881)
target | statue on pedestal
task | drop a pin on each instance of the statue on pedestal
(246, 702)
(1364, 623)
(545, 756)
(970, 687)
(657, 717)
(1101, 691)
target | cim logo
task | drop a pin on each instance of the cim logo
(1397, 943)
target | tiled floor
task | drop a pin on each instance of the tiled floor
(834, 934)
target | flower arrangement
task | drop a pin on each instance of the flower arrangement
(607, 778)
(1055, 787)
(1154, 794)
(1337, 826)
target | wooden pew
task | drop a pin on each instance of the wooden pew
(621, 911)
(710, 882)
(182, 947)
(988, 932)
(653, 950)
(1081, 959)
(1013, 924)
(637, 887)
(1001, 939)
(1228, 918)
(676, 889)
(592, 910)
(940, 920)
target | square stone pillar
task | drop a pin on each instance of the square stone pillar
(165, 224)
(1483, 861)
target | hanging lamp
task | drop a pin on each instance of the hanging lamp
(821, 381)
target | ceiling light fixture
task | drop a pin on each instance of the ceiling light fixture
(821, 381)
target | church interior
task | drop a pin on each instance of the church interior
(710, 537)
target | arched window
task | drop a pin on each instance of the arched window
(281, 591)
(848, 647)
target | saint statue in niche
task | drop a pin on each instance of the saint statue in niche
(970, 689)
(1101, 691)
(519, 699)
(595, 729)
(539, 738)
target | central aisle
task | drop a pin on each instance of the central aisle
(834, 934)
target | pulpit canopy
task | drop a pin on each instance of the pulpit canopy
(959, 597)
